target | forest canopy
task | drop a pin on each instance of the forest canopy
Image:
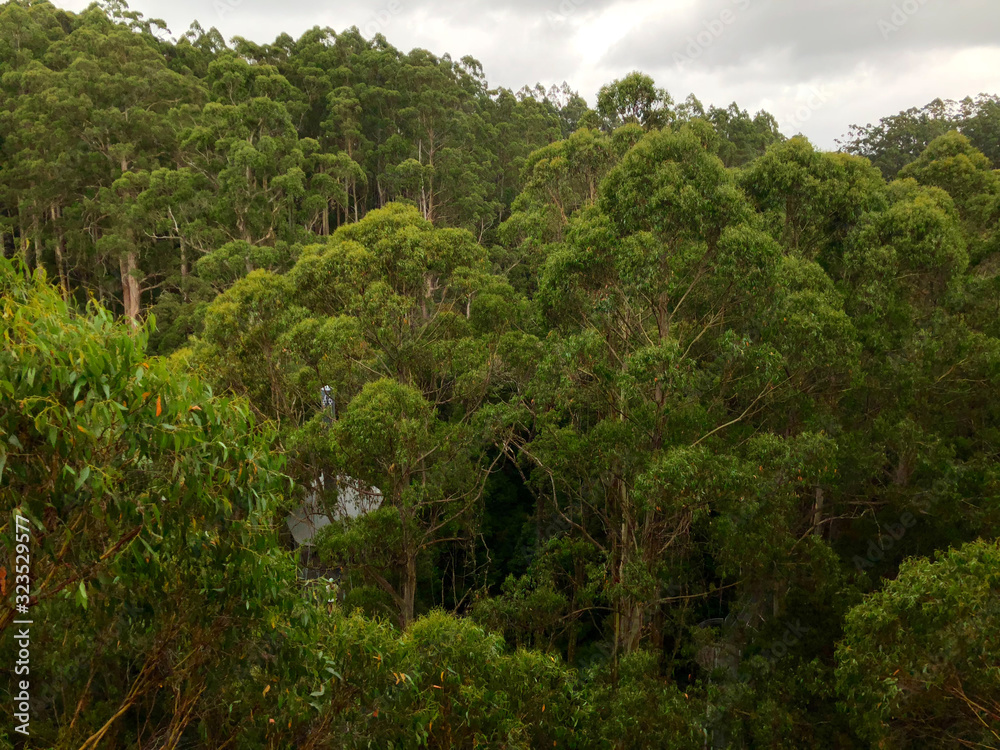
(683, 433)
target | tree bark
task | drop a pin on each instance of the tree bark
(131, 292)
(185, 271)
(61, 266)
(818, 512)
(409, 590)
(60, 257)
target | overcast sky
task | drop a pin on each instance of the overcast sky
(817, 65)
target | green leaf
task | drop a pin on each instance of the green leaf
(82, 477)
(81, 595)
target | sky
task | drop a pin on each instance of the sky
(818, 66)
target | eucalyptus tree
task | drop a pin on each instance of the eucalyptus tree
(558, 181)
(811, 200)
(649, 295)
(634, 99)
(953, 164)
(742, 138)
(102, 99)
(26, 33)
(387, 313)
(933, 681)
(896, 140)
(161, 595)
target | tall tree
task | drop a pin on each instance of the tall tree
(634, 99)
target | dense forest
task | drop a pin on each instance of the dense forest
(685, 433)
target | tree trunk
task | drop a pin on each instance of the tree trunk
(409, 590)
(632, 620)
(185, 271)
(60, 254)
(657, 628)
(61, 266)
(131, 292)
(27, 253)
(818, 512)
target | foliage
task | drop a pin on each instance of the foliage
(919, 656)
(656, 415)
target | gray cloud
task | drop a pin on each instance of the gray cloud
(805, 39)
(771, 54)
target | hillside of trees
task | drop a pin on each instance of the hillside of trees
(687, 433)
